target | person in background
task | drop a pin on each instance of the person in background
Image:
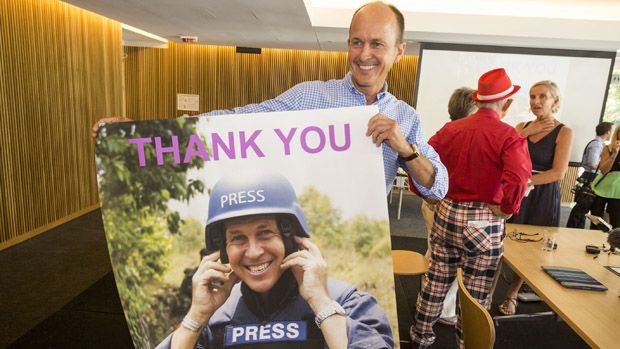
(589, 162)
(607, 186)
(488, 164)
(549, 143)
(375, 45)
(460, 105)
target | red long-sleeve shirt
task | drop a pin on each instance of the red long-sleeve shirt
(487, 160)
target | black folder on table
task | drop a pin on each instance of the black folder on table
(574, 278)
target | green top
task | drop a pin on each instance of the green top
(608, 187)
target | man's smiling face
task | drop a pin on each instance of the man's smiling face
(373, 48)
(255, 251)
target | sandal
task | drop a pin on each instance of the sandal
(509, 306)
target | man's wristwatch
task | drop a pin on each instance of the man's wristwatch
(331, 309)
(415, 154)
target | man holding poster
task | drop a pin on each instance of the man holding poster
(375, 44)
(258, 235)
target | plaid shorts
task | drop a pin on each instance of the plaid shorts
(466, 235)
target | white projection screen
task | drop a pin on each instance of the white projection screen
(582, 76)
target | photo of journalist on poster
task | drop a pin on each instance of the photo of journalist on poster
(265, 279)
(287, 212)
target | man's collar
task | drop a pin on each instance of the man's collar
(348, 83)
(282, 293)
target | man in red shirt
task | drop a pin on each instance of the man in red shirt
(489, 166)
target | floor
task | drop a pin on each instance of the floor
(43, 274)
(58, 291)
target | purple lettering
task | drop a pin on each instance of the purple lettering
(249, 143)
(304, 142)
(218, 143)
(347, 138)
(195, 147)
(286, 140)
(139, 142)
(160, 150)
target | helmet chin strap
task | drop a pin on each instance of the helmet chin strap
(216, 240)
(288, 229)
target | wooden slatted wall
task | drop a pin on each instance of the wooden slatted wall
(60, 70)
(225, 79)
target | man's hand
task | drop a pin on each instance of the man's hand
(310, 271)
(385, 130)
(97, 124)
(207, 295)
(498, 211)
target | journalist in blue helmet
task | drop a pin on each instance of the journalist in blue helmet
(266, 284)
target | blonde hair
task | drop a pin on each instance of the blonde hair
(614, 137)
(553, 89)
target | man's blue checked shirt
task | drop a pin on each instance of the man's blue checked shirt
(342, 93)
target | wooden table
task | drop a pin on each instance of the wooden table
(595, 316)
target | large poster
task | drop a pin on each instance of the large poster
(175, 191)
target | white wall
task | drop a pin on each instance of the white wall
(582, 81)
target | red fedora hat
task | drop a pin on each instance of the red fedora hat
(493, 86)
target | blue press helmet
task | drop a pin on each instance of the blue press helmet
(246, 194)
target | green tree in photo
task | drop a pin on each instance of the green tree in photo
(183, 259)
(368, 237)
(138, 223)
(351, 246)
(323, 219)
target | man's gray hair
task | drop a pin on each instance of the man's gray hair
(497, 105)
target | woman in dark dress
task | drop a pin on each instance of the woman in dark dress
(549, 143)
